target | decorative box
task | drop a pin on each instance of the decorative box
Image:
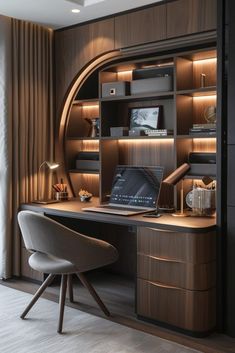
(119, 131)
(137, 133)
(87, 160)
(115, 89)
(150, 85)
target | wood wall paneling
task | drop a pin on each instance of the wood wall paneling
(74, 48)
(190, 16)
(140, 27)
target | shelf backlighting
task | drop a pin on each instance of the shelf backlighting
(205, 97)
(147, 141)
(94, 106)
(205, 61)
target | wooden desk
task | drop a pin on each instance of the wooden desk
(176, 264)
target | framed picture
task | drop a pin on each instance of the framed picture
(145, 118)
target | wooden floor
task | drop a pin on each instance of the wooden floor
(118, 294)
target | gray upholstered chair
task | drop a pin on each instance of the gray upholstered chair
(59, 250)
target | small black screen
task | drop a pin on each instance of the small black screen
(136, 186)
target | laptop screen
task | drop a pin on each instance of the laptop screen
(136, 186)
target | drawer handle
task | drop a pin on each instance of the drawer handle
(161, 258)
(167, 286)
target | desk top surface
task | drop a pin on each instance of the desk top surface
(73, 209)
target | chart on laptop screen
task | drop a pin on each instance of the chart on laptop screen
(136, 186)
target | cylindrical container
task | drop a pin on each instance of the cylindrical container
(203, 202)
(61, 196)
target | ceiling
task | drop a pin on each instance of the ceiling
(57, 13)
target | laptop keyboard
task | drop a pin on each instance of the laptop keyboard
(124, 208)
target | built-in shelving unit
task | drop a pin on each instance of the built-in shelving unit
(183, 105)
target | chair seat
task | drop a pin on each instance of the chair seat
(50, 264)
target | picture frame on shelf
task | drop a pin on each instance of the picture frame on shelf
(145, 118)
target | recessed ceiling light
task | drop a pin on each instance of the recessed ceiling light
(85, 3)
(75, 10)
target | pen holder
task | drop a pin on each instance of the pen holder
(61, 196)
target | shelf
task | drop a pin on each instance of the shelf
(82, 138)
(199, 176)
(137, 137)
(145, 96)
(87, 102)
(199, 92)
(81, 171)
(201, 136)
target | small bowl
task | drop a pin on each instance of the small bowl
(85, 198)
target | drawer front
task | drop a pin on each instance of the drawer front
(189, 310)
(187, 247)
(173, 273)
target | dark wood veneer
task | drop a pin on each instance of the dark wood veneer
(74, 48)
(178, 246)
(139, 27)
(189, 310)
(190, 16)
(181, 274)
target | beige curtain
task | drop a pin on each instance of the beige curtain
(5, 147)
(31, 124)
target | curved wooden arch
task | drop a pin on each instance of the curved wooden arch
(69, 98)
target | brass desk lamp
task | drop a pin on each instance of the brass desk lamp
(51, 166)
(173, 179)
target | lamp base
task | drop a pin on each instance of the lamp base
(180, 214)
(45, 202)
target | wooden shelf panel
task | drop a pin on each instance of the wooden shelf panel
(136, 97)
(92, 101)
(82, 138)
(198, 176)
(137, 137)
(201, 92)
(81, 171)
(206, 136)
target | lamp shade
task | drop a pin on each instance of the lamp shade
(177, 175)
(52, 165)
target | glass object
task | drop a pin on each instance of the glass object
(94, 129)
(210, 114)
(203, 201)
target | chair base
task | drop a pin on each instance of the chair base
(66, 281)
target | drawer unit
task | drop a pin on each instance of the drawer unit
(175, 273)
(188, 310)
(188, 247)
(176, 278)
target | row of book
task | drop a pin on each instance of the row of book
(203, 129)
(197, 129)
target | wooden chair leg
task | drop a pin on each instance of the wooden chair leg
(70, 288)
(93, 293)
(63, 288)
(37, 295)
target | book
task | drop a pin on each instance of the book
(202, 132)
(204, 126)
(159, 132)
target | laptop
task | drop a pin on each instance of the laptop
(135, 190)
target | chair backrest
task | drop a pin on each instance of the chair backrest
(47, 236)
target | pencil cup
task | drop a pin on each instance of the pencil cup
(61, 196)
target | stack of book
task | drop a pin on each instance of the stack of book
(158, 132)
(203, 129)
